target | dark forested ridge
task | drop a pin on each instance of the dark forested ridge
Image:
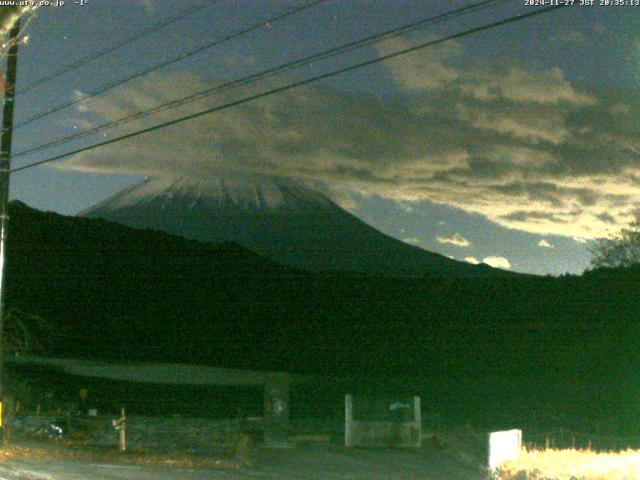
(124, 294)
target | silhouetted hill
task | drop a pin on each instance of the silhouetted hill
(546, 344)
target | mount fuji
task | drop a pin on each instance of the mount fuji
(279, 218)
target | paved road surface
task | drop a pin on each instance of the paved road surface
(309, 463)
(69, 470)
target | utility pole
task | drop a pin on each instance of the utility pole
(5, 167)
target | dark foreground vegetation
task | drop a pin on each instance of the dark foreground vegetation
(540, 349)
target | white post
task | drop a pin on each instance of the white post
(348, 420)
(504, 446)
(121, 427)
(122, 441)
(417, 419)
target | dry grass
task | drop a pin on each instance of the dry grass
(572, 464)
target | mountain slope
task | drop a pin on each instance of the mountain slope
(283, 220)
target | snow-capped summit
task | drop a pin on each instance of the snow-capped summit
(233, 192)
(279, 218)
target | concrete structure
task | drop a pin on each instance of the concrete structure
(382, 433)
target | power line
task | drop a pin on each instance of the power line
(332, 52)
(299, 83)
(182, 56)
(117, 45)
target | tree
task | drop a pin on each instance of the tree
(25, 333)
(620, 250)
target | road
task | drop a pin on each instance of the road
(309, 463)
(72, 470)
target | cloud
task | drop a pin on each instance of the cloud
(497, 262)
(579, 240)
(428, 71)
(544, 244)
(148, 5)
(472, 260)
(412, 240)
(437, 69)
(567, 36)
(407, 207)
(455, 239)
(522, 146)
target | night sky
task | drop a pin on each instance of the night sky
(516, 146)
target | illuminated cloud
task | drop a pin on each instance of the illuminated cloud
(544, 244)
(525, 148)
(472, 260)
(455, 239)
(497, 262)
(412, 240)
(436, 69)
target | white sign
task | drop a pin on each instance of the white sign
(504, 446)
